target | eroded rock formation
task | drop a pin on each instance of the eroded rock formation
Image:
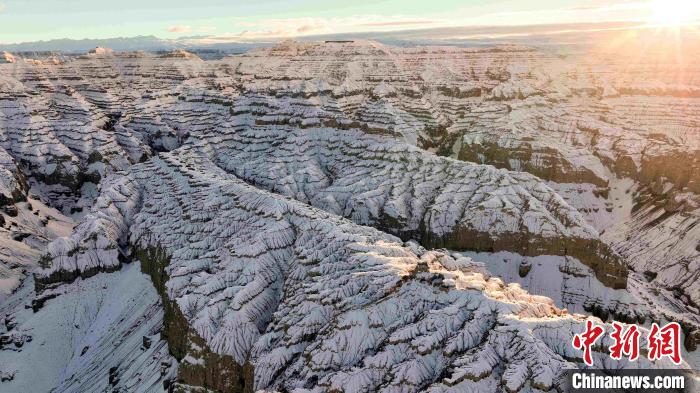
(300, 210)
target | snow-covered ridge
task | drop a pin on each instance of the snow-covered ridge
(276, 230)
(189, 99)
(312, 300)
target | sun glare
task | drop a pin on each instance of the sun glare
(674, 12)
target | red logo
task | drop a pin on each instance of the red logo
(665, 342)
(586, 339)
(625, 343)
(662, 342)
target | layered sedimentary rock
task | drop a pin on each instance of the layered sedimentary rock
(267, 292)
(26, 226)
(403, 190)
(630, 164)
(286, 205)
(267, 99)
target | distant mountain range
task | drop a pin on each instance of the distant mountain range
(70, 45)
(462, 36)
(147, 43)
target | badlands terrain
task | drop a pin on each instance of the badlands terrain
(341, 216)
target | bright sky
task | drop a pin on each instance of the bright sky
(24, 20)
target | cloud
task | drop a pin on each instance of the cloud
(398, 23)
(190, 29)
(179, 29)
(254, 35)
(613, 6)
(294, 27)
(305, 29)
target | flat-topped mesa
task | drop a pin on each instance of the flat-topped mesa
(100, 52)
(179, 54)
(265, 292)
(367, 46)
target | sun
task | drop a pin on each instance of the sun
(674, 12)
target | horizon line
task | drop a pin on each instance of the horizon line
(621, 24)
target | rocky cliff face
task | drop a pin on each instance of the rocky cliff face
(618, 141)
(315, 216)
(268, 292)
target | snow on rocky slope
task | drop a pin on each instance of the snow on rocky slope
(96, 335)
(277, 294)
(26, 226)
(617, 136)
(286, 204)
